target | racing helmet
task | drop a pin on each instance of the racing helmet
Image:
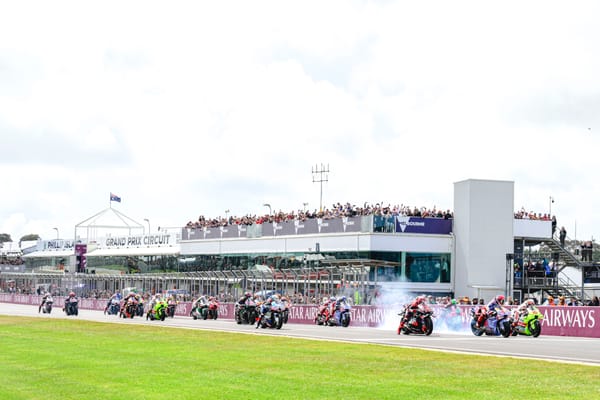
(71, 294)
(500, 299)
(248, 294)
(421, 299)
(453, 301)
(530, 302)
(332, 298)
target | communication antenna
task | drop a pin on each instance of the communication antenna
(319, 172)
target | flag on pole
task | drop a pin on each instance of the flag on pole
(114, 197)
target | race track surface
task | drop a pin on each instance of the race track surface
(552, 348)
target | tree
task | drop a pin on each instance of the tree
(5, 237)
(31, 236)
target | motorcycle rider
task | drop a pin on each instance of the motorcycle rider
(116, 297)
(420, 302)
(71, 295)
(46, 296)
(523, 310)
(335, 305)
(265, 307)
(495, 303)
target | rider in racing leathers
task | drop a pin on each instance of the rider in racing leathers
(44, 298)
(495, 303)
(523, 310)
(417, 303)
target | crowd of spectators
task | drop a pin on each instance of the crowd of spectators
(524, 214)
(337, 210)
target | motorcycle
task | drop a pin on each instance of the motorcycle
(340, 316)
(212, 311)
(158, 312)
(271, 316)
(113, 307)
(421, 322)
(529, 324)
(495, 323)
(246, 313)
(129, 309)
(171, 306)
(47, 308)
(451, 316)
(71, 306)
(322, 314)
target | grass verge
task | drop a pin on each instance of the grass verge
(73, 359)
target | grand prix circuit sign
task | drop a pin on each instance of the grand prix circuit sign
(558, 321)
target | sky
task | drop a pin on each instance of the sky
(193, 108)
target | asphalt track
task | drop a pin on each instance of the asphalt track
(551, 348)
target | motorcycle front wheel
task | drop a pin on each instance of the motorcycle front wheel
(476, 331)
(535, 328)
(345, 322)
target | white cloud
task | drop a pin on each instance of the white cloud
(190, 108)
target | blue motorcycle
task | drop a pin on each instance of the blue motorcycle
(494, 323)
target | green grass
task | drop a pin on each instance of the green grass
(73, 359)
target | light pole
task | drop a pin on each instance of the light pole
(57, 235)
(268, 205)
(304, 205)
(227, 215)
(148, 221)
(550, 201)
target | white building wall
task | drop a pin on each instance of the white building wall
(483, 229)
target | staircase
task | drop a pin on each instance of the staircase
(559, 284)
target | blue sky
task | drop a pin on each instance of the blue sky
(193, 108)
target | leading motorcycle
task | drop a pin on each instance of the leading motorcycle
(47, 308)
(341, 314)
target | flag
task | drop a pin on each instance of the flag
(114, 197)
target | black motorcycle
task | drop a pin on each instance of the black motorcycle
(246, 313)
(71, 306)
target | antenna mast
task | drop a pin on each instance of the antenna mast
(320, 172)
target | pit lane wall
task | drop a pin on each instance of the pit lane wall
(558, 321)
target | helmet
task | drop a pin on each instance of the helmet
(248, 294)
(453, 301)
(500, 299)
(421, 299)
(72, 294)
(530, 302)
(332, 298)
(343, 298)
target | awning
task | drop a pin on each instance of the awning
(135, 251)
(50, 254)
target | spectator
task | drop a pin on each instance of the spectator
(550, 301)
(573, 302)
(561, 301)
(595, 302)
(562, 236)
(553, 225)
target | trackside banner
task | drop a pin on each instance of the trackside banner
(423, 225)
(558, 321)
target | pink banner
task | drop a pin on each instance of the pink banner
(558, 321)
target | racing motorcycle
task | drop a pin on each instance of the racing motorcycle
(212, 311)
(271, 316)
(322, 314)
(71, 306)
(341, 314)
(158, 312)
(420, 323)
(47, 308)
(529, 324)
(129, 308)
(113, 308)
(171, 306)
(495, 323)
(246, 313)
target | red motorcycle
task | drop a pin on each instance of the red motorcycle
(129, 309)
(323, 314)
